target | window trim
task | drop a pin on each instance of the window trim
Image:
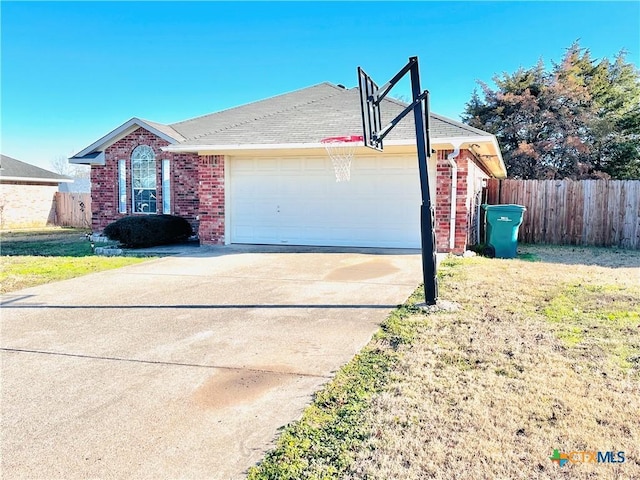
(122, 186)
(146, 149)
(166, 187)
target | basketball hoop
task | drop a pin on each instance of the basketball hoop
(341, 151)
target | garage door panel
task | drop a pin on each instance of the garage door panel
(298, 201)
(255, 212)
(397, 184)
(247, 233)
(316, 164)
(268, 165)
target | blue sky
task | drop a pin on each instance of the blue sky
(72, 72)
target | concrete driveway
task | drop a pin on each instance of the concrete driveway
(184, 366)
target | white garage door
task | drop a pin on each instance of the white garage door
(296, 201)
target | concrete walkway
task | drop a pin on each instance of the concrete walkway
(185, 366)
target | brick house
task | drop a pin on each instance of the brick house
(258, 174)
(27, 194)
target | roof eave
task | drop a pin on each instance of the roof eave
(195, 148)
(93, 158)
(484, 147)
(490, 156)
(187, 148)
(83, 156)
(36, 180)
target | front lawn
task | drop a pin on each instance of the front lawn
(35, 257)
(543, 355)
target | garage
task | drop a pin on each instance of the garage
(259, 173)
(296, 201)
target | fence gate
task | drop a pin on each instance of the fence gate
(73, 210)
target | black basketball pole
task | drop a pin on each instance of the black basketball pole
(370, 93)
(421, 118)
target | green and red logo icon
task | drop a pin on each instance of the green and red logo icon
(559, 458)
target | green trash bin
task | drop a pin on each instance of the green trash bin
(501, 229)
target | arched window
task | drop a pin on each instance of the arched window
(143, 179)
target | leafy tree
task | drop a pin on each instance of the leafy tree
(581, 119)
(61, 165)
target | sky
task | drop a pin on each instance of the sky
(73, 71)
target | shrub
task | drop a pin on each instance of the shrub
(148, 230)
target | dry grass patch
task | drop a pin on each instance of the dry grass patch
(544, 355)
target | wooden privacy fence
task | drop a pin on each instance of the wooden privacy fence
(73, 210)
(568, 212)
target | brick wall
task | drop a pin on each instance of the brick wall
(198, 190)
(211, 195)
(25, 205)
(443, 195)
(465, 163)
(104, 179)
(469, 176)
(443, 202)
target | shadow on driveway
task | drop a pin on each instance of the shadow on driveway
(184, 366)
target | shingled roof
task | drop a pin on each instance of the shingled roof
(305, 117)
(15, 170)
(298, 119)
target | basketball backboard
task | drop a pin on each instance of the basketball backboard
(370, 98)
(370, 109)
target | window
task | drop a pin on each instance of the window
(143, 179)
(122, 186)
(166, 187)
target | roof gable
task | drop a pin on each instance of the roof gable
(16, 170)
(94, 153)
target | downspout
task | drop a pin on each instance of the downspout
(454, 195)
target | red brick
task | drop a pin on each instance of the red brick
(198, 190)
(185, 190)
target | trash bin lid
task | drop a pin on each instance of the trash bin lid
(505, 207)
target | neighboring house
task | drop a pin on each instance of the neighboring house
(27, 194)
(258, 174)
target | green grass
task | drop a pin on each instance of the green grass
(596, 316)
(64, 247)
(528, 257)
(53, 242)
(36, 257)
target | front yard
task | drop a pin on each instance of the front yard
(542, 356)
(30, 258)
(539, 364)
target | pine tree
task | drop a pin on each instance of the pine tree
(615, 126)
(579, 120)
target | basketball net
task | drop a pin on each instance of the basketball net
(341, 151)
